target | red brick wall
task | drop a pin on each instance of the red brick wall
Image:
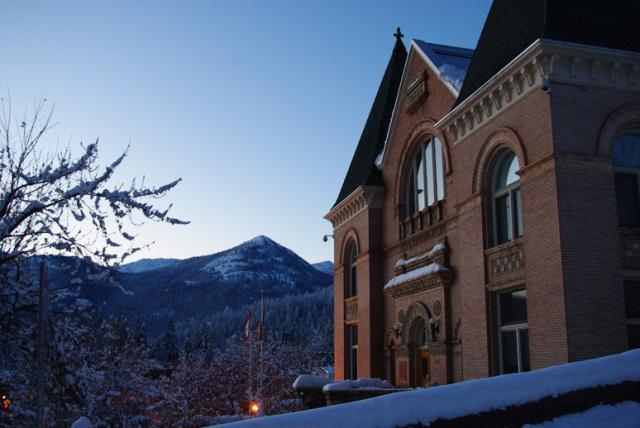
(571, 248)
(588, 221)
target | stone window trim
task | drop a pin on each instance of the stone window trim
(350, 237)
(505, 220)
(503, 138)
(351, 270)
(423, 130)
(621, 121)
(624, 172)
(424, 170)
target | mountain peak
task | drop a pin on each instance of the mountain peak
(260, 240)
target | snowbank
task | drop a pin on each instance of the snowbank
(464, 398)
(310, 382)
(622, 415)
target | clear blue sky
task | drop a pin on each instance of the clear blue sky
(257, 105)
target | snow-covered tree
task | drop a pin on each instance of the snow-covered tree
(53, 202)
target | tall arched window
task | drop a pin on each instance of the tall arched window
(626, 162)
(505, 198)
(425, 181)
(351, 288)
(626, 165)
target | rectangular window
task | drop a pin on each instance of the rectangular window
(513, 331)
(439, 170)
(421, 188)
(411, 195)
(353, 351)
(632, 312)
(503, 219)
(517, 218)
(627, 199)
(429, 172)
(509, 342)
(353, 285)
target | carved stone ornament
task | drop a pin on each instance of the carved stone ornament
(416, 93)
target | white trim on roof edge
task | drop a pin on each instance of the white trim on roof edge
(538, 67)
(396, 110)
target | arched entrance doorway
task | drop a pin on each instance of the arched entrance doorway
(420, 364)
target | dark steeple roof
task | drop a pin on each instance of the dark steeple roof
(362, 170)
(512, 25)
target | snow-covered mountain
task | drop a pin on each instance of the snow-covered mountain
(325, 267)
(145, 265)
(195, 288)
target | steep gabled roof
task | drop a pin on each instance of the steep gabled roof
(512, 25)
(362, 170)
(449, 63)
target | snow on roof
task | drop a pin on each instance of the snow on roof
(452, 62)
(310, 382)
(464, 398)
(415, 274)
(362, 384)
(440, 246)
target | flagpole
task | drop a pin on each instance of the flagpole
(250, 366)
(43, 322)
(261, 340)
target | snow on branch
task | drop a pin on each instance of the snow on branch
(60, 203)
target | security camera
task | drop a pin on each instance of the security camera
(545, 85)
(324, 238)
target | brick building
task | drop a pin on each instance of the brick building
(489, 220)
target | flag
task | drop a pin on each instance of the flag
(259, 331)
(247, 326)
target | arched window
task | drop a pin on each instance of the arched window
(425, 181)
(505, 198)
(626, 163)
(351, 288)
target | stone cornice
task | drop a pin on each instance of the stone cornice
(360, 199)
(418, 285)
(542, 64)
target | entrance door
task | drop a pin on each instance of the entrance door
(423, 367)
(421, 375)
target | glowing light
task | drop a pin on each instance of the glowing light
(5, 402)
(254, 408)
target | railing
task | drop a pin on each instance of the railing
(351, 309)
(505, 262)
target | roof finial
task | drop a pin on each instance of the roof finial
(398, 35)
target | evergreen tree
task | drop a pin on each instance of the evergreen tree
(141, 336)
(188, 348)
(170, 343)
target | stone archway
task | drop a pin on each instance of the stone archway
(417, 334)
(416, 310)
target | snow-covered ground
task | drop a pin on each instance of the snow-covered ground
(464, 398)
